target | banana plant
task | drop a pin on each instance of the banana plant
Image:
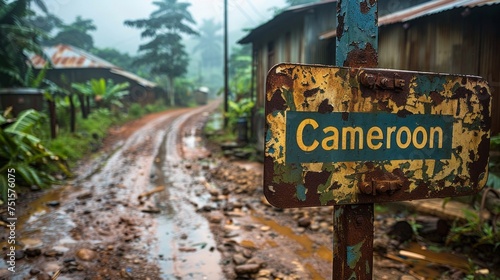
(240, 109)
(22, 151)
(106, 93)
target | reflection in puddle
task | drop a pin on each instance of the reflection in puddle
(186, 246)
(308, 248)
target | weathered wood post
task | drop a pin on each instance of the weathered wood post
(353, 135)
(357, 46)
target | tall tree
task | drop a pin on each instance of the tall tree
(165, 53)
(47, 22)
(76, 34)
(209, 44)
(17, 37)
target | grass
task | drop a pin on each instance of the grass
(91, 131)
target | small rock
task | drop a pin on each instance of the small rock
(264, 273)
(304, 222)
(53, 203)
(69, 260)
(151, 210)
(247, 269)
(19, 254)
(239, 259)
(215, 219)
(86, 254)
(265, 228)
(50, 268)
(33, 252)
(315, 226)
(85, 195)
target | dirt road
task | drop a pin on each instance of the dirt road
(157, 204)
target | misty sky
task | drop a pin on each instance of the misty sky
(109, 15)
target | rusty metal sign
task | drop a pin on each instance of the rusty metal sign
(337, 135)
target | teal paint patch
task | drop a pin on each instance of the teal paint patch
(360, 29)
(354, 254)
(301, 192)
(346, 137)
(425, 84)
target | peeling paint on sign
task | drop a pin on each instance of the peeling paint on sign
(337, 135)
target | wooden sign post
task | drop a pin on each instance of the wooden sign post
(354, 135)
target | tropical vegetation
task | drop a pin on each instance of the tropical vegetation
(165, 53)
(22, 151)
(75, 34)
(17, 38)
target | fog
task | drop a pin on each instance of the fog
(109, 15)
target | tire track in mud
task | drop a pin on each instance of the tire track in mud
(186, 247)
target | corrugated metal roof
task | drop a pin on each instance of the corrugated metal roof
(141, 81)
(432, 7)
(66, 56)
(425, 9)
(284, 16)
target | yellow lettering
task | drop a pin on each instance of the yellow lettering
(422, 144)
(400, 144)
(390, 130)
(300, 132)
(352, 131)
(433, 131)
(374, 133)
(334, 138)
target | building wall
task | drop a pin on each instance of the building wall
(457, 42)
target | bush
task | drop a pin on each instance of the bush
(25, 153)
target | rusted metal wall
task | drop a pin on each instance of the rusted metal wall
(295, 41)
(459, 41)
(64, 77)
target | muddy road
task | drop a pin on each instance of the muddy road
(159, 203)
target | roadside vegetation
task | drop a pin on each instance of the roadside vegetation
(42, 146)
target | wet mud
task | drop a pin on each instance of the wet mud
(159, 202)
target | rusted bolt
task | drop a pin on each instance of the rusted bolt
(387, 186)
(367, 80)
(382, 188)
(366, 188)
(399, 83)
(385, 82)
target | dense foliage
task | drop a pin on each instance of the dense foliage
(17, 38)
(24, 152)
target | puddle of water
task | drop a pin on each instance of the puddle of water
(190, 140)
(308, 247)
(34, 228)
(186, 246)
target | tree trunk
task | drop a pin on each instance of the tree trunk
(171, 92)
(52, 117)
(88, 104)
(81, 98)
(72, 112)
